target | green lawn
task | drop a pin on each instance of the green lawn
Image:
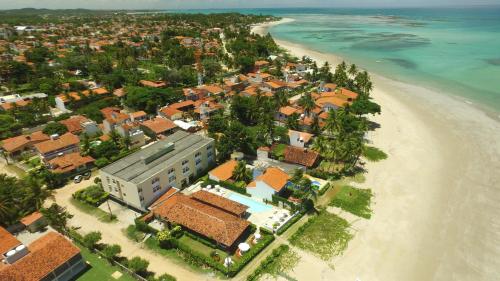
(200, 247)
(91, 210)
(325, 235)
(374, 154)
(100, 269)
(354, 200)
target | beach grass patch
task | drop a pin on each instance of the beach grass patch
(354, 200)
(325, 235)
(374, 154)
(93, 211)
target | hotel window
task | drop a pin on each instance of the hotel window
(140, 190)
(198, 154)
(156, 188)
(185, 162)
(107, 178)
(155, 180)
(113, 181)
(209, 154)
(198, 161)
(185, 170)
(171, 171)
(141, 198)
(171, 178)
(209, 147)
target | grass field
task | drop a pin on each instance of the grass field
(325, 235)
(354, 200)
(374, 154)
(100, 269)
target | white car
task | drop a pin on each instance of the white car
(78, 179)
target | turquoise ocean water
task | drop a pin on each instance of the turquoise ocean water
(454, 50)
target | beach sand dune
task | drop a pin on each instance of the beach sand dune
(436, 212)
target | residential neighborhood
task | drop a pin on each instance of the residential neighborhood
(166, 146)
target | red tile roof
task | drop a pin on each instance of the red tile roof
(202, 218)
(159, 125)
(69, 162)
(74, 123)
(220, 202)
(29, 219)
(46, 254)
(301, 156)
(63, 141)
(7, 241)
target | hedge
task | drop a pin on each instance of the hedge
(93, 195)
(198, 258)
(261, 269)
(227, 185)
(325, 189)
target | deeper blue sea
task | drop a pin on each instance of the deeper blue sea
(453, 50)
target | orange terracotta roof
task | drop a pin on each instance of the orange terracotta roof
(213, 89)
(138, 114)
(275, 178)
(120, 92)
(46, 254)
(164, 197)
(7, 241)
(225, 171)
(15, 143)
(38, 136)
(288, 110)
(100, 91)
(183, 104)
(347, 93)
(30, 219)
(63, 141)
(220, 202)
(202, 218)
(331, 100)
(169, 111)
(261, 63)
(11, 105)
(74, 123)
(159, 125)
(152, 84)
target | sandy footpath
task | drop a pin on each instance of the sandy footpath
(436, 212)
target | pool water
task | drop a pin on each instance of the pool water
(253, 206)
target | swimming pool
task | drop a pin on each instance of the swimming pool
(253, 206)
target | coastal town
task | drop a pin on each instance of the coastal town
(154, 146)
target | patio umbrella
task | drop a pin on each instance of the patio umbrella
(243, 247)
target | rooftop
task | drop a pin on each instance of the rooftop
(220, 202)
(147, 162)
(224, 171)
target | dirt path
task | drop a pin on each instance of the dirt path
(112, 233)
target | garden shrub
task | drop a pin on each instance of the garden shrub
(93, 195)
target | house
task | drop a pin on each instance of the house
(272, 182)
(15, 146)
(327, 87)
(133, 131)
(70, 163)
(170, 113)
(299, 139)
(50, 257)
(260, 64)
(113, 117)
(301, 156)
(208, 215)
(285, 112)
(205, 108)
(263, 153)
(142, 177)
(159, 126)
(34, 221)
(58, 146)
(139, 116)
(223, 172)
(153, 84)
(79, 124)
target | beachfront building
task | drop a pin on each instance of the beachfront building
(142, 177)
(272, 182)
(50, 257)
(203, 213)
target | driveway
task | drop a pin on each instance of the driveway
(113, 233)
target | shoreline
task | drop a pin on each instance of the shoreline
(435, 205)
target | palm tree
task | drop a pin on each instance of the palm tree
(353, 70)
(241, 173)
(307, 102)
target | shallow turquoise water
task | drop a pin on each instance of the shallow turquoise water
(451, 50)
(253, 206)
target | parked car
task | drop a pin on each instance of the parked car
(87, 175)
(78, 179)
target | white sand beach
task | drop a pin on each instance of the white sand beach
(436, 211)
